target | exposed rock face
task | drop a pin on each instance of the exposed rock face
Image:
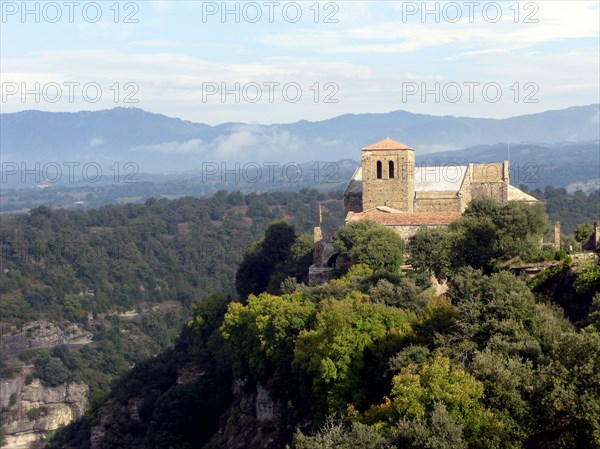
(40, 334)
(8, 388)
(189, 373)
(97, 436)
(37, 409)
(33, 409)
(267, 411)
(255, 420)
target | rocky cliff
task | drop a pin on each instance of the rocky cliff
(40, 335)
(257, 418)
(34, 409)
(30, 409)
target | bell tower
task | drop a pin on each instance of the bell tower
(388, 169)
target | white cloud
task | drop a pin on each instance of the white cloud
(557, 21)
(95, 141)
(190, 146)
(368, 54)
(252, 142)
(245, 143)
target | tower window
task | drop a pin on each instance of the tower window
(391, 166)
(379, 170)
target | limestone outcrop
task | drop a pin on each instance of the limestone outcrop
(34, 409)
(39, 335)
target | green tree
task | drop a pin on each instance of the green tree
(333, 435)
(474, 242)
(264, 259)
(429, 251)
(260, 335)
(583, 232)
(594, 317)
(567, 400)
(333, 352)
(72, 307)
(496, 311)
(417, 389)
(301, 257)
(368, 242)
(588, 277)
(53, 372)
(404, 294)
(207, 318)
(490, 231)
(439, 431)
(509, 382)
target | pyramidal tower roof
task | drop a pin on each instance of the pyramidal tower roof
(388, 144)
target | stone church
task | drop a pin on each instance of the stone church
(390, 189)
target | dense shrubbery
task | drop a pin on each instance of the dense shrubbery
(373, 359)
(571, 209)
(483, 368)
(504, 383)
(370, 243)
(88, 266)
(270, 261)
(182, 250)
(486, 235)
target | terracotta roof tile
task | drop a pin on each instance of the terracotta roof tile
(388, 144)
(406, 218)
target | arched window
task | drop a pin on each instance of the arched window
(379, 170)
(391, 166)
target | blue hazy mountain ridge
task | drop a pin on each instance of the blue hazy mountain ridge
(557, 154)
(160, 143)
(572, 165)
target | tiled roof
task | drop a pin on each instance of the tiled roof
(406, 218)
(388, 144)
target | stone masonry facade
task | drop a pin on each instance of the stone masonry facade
(390, 189)
(388, 178)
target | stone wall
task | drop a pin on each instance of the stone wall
(353, 202)
(408, 231)
(496, 190)
(489, 180)
(464, 193)
(488, 172)
(319, 275)
(397, 192)
(437, 202)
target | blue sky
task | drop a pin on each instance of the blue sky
(178, 58)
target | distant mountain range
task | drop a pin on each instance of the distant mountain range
(158, 144)
(571, 165)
